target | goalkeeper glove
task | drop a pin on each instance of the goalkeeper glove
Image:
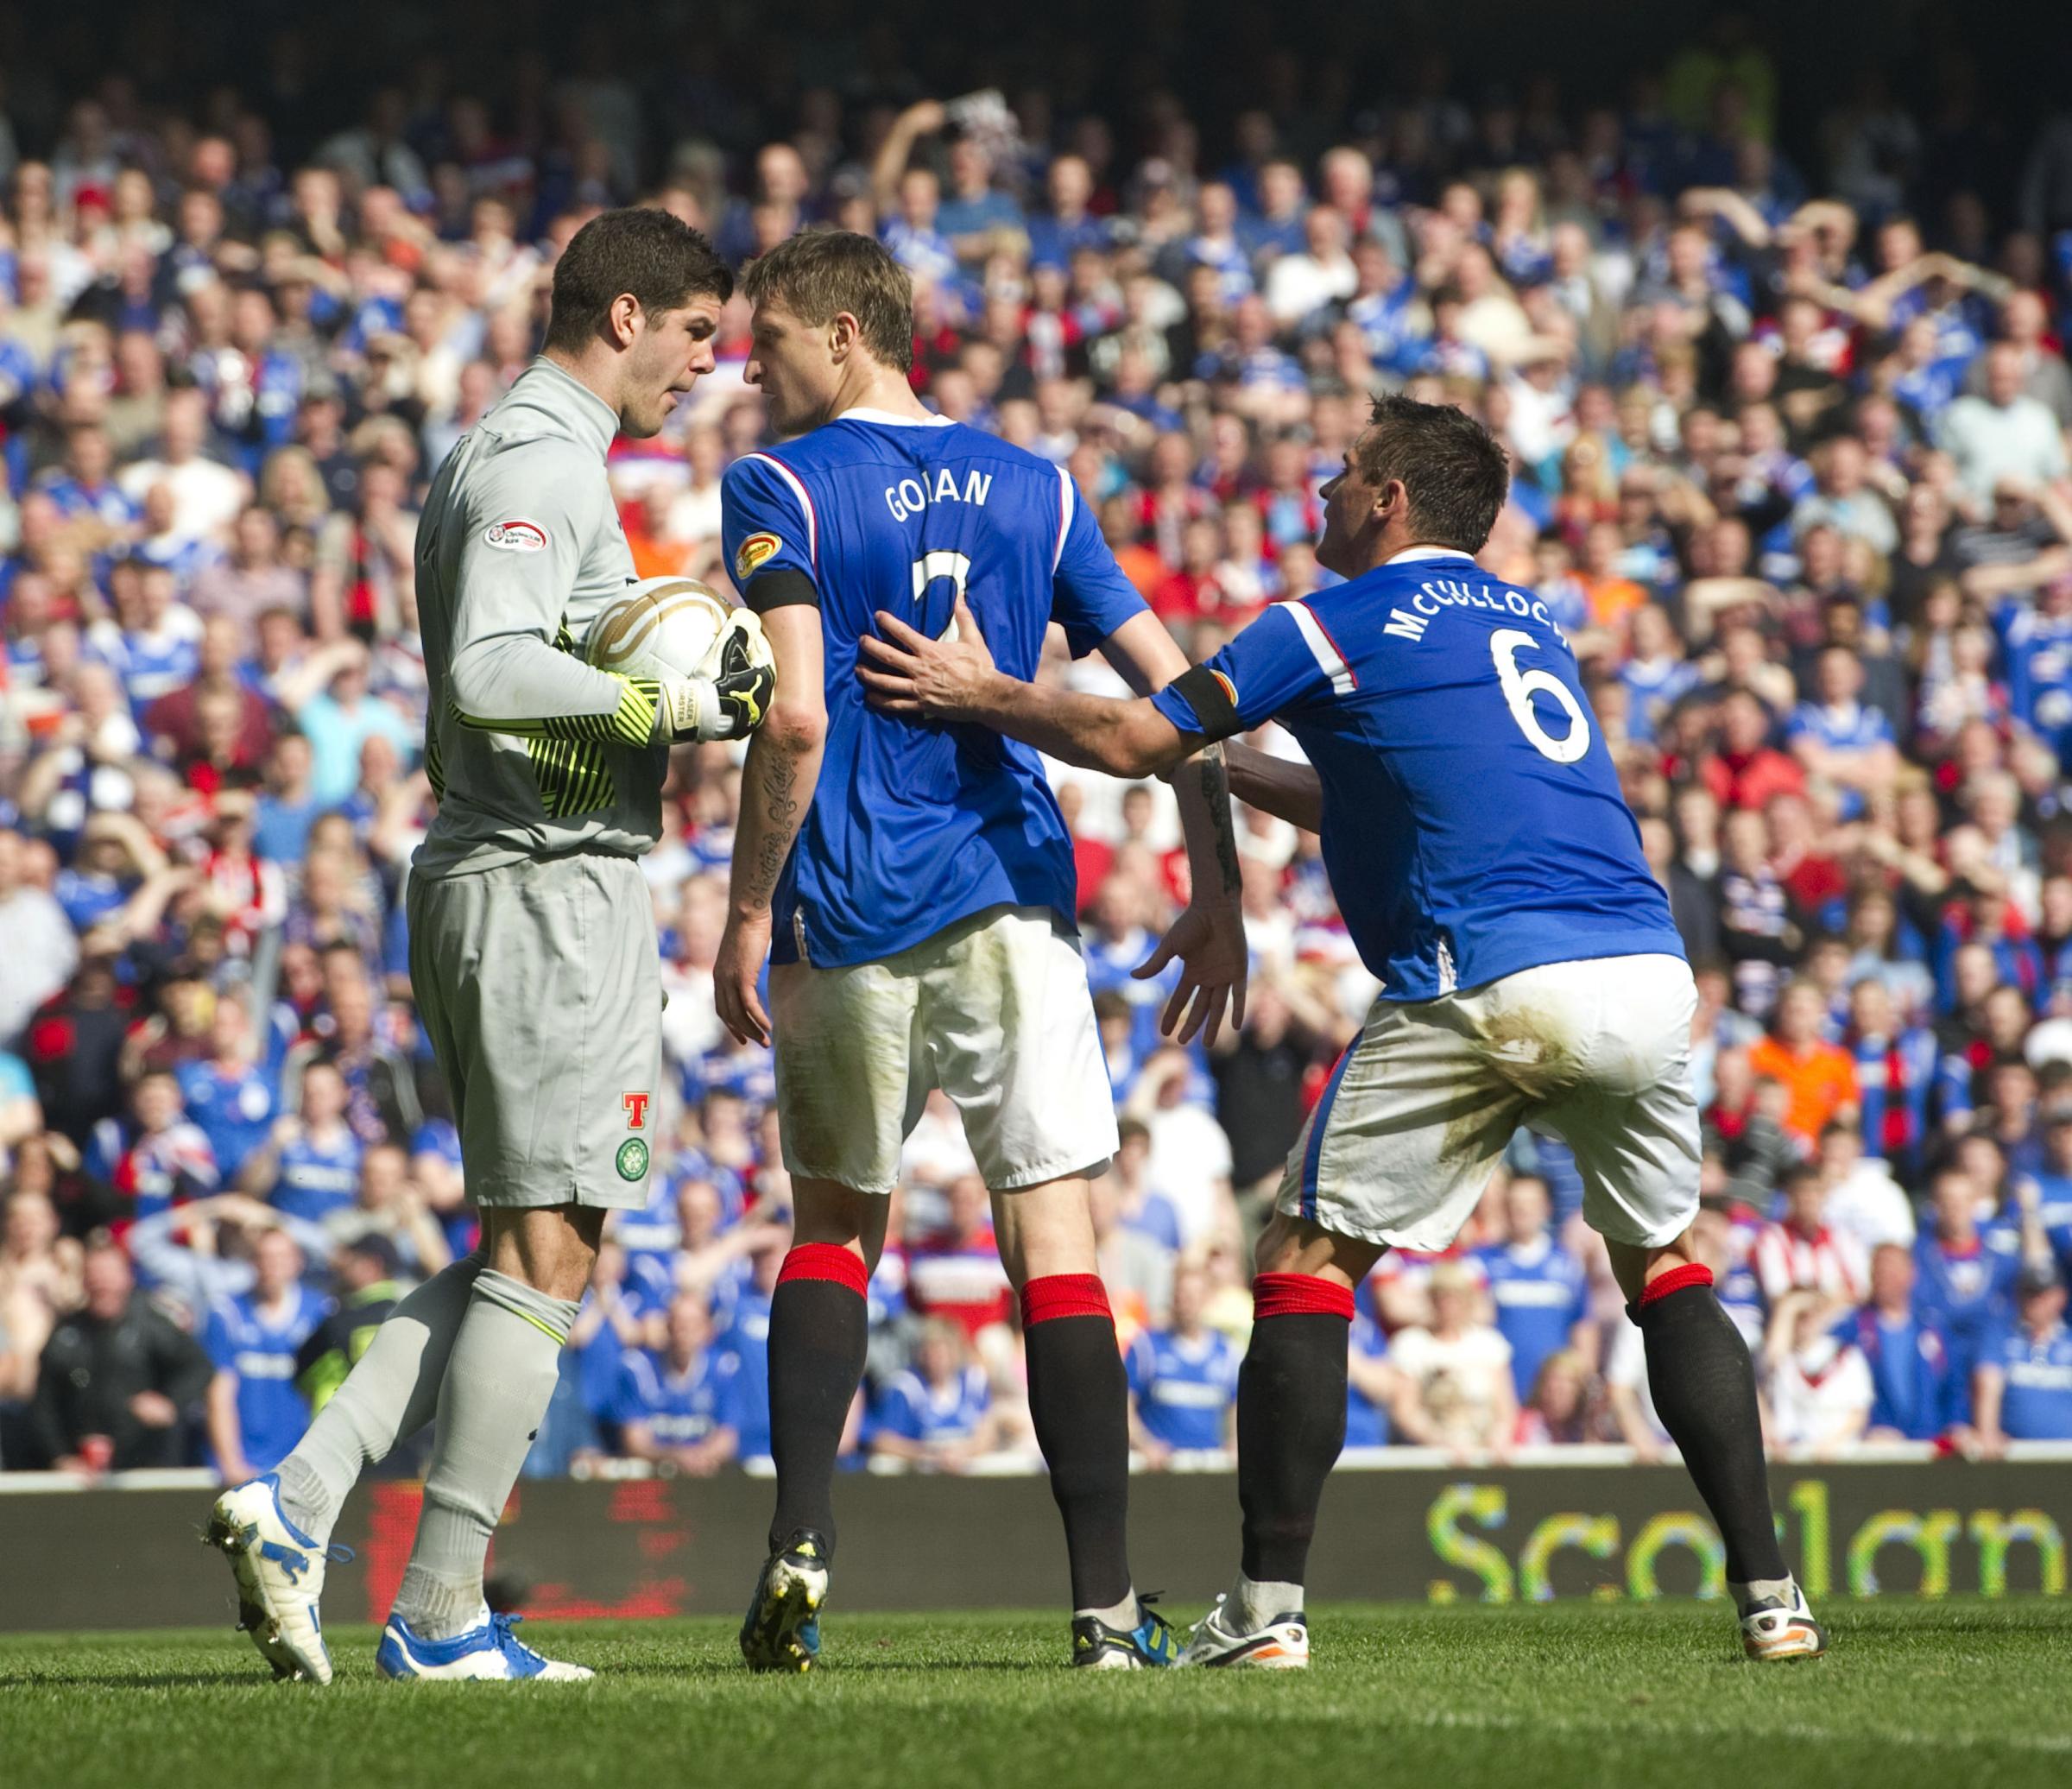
(729, 705)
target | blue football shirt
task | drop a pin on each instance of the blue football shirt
(1184, 1387)
(1473, 822)
(2035, 1402)
(1541, 1293)
(914, 827)
(680, 1409)
(318, 1177)
(241, 1337)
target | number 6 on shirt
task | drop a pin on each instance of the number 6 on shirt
(1519, 686)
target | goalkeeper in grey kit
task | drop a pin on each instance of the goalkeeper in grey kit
(533, 951)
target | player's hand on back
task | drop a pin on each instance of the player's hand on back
(736, 971)
(1210, 943)
(906, 673)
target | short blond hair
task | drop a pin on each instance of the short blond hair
(819, 273)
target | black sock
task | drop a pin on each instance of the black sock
(819, 1326)
(1704, 1392)
(1290, 1418)
(1079, 1402)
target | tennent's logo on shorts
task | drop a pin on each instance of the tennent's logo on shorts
(752, 553)
(632, 1160)
(637, 1110)
(517, 536)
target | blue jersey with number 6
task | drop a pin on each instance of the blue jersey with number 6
(1473, 825)
(914, 827)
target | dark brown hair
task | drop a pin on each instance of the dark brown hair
(1453, 471)
(653, 255)
(818, 274)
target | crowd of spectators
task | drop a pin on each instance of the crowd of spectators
(1790, 467)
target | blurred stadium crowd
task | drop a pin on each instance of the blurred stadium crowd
(1790, 464)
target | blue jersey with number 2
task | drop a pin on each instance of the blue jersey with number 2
(914, 827)
(1473, 825)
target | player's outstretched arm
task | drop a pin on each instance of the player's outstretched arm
(1293, 793)
(777, 785)
(906, 673)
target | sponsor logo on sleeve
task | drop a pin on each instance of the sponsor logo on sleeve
(517, 537)
(752, 553)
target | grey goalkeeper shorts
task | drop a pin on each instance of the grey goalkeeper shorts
(540, 984)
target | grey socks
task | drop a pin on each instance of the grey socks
(391, 1393)
(497, 1385)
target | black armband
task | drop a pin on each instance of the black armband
(780, 589)
(1209, 696)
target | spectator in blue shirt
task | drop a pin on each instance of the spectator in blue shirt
(310, 1165)
(337, 721)
(1068, 226)
(1909, 1357)
(1966, 1279)
(1838, 739)
(1656, 675)
(1541, 1297)
(255, 1414)
(975, 211)
(1182, 1378)
(916, 243)
(678, 1406)
(288, 806)
(2053, 1200)
(2025, 1380)
(939, 1415)
(226, 1095)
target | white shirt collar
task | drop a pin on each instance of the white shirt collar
(863, 413)
(1410, 553)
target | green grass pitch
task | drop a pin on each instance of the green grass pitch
(1955, 1694)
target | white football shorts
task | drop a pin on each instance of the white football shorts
(1401, 1145)
(993, 1010)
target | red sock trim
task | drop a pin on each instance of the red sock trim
(825, 1260)
(1058, 1295)
(1300, 1295)
(1694, 1272)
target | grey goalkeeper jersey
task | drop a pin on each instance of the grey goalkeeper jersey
(531, 751)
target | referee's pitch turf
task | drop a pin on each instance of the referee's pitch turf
(1960, 1695)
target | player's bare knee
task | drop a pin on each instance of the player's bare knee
(1634, 1264)
(1045, 1230)
(827, 1212)
(551, 1249)
(1295, 1245)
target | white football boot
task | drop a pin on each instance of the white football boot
(280, 1572)
(1782, 1627)
(1282, 1644)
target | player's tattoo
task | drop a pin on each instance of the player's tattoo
(779, 789)
(1215, 794)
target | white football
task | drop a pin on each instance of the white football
(661, 625)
